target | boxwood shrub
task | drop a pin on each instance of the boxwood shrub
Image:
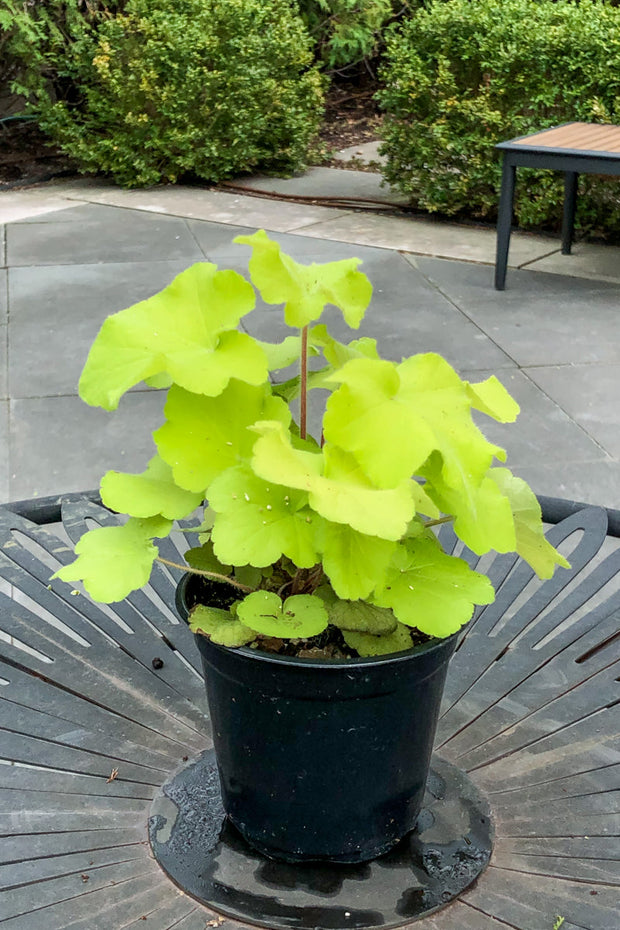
(163, 88)
(460, 76)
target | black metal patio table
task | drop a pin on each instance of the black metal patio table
(574, 148)
(99, 706)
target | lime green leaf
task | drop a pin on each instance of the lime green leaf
(159, 381)
(368, 417)
(186, 332)
(151, 493)
(368, 645)
(354, 563)
(251, 577)
(482, 518)
(290, 389)
(430, 590)
(301, 615)
(258, 522)
(306, 289)
(492, 398)
(338, 489)
(432, 387)
(344, 495)
(338, 353)
(113, 561)
(530, 536)
(220, 626)
(204, 558)
(203, 436)
(423, 503)
(281, 354)
(361, 617)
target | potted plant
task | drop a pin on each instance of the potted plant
(324, 606)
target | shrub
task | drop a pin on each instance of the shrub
(161, 88)
(461, 76)
(346, 31)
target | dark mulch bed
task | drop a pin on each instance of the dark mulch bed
(26, 156)
(351, 115)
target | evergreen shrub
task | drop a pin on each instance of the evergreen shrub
(460, 76)
(345, 31)
(162, 88)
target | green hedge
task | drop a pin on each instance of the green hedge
(345, 31)
(163, 88)
(461, 76)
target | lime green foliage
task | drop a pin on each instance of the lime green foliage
(306, 289)
(115, 560)
(188, 332)
(152, 493)
(299, 617)
(220, 626)
(346, 31)
(316, 531)
(461, 76)
(149, 90)
(398, 640)
(558, 923)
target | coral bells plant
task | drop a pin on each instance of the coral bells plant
(327, 543)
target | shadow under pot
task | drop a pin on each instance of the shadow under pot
(320, 760)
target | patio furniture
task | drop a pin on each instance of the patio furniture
(574, 148)
(100, 705)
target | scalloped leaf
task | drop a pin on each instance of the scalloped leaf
(281, 354)
(354, 563)
(306, 289)
(432, 591)
(429, 383)
(423, 503)
(220, 626)
(530, 532)
(367, 416)
(361, 617)
(337, 487)
(203, 436)
(204, 558)
(148, 494)
(483, 519)
(257, 522)
(113, 561)
(492, 398)
(299, 617)
(399, 640)
(338, 353)
(186, 332)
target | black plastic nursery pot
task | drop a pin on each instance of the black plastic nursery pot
(323, 759)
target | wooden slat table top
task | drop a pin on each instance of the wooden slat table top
(598, 139)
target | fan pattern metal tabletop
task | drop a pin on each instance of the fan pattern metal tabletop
(100, 705)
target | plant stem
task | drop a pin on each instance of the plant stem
(303, 397)
(439, 521)
(205, 574)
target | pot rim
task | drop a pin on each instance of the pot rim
(391, 658)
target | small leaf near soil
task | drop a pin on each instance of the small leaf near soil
(368, 645)
(220, 626)
(301, 616)
(361, 617)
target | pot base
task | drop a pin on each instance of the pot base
(207, 857)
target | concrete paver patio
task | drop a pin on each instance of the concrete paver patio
(72, 253)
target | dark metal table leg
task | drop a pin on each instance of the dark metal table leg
(570, 202)
(504, 221)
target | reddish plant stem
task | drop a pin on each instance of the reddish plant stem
(303, 397)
